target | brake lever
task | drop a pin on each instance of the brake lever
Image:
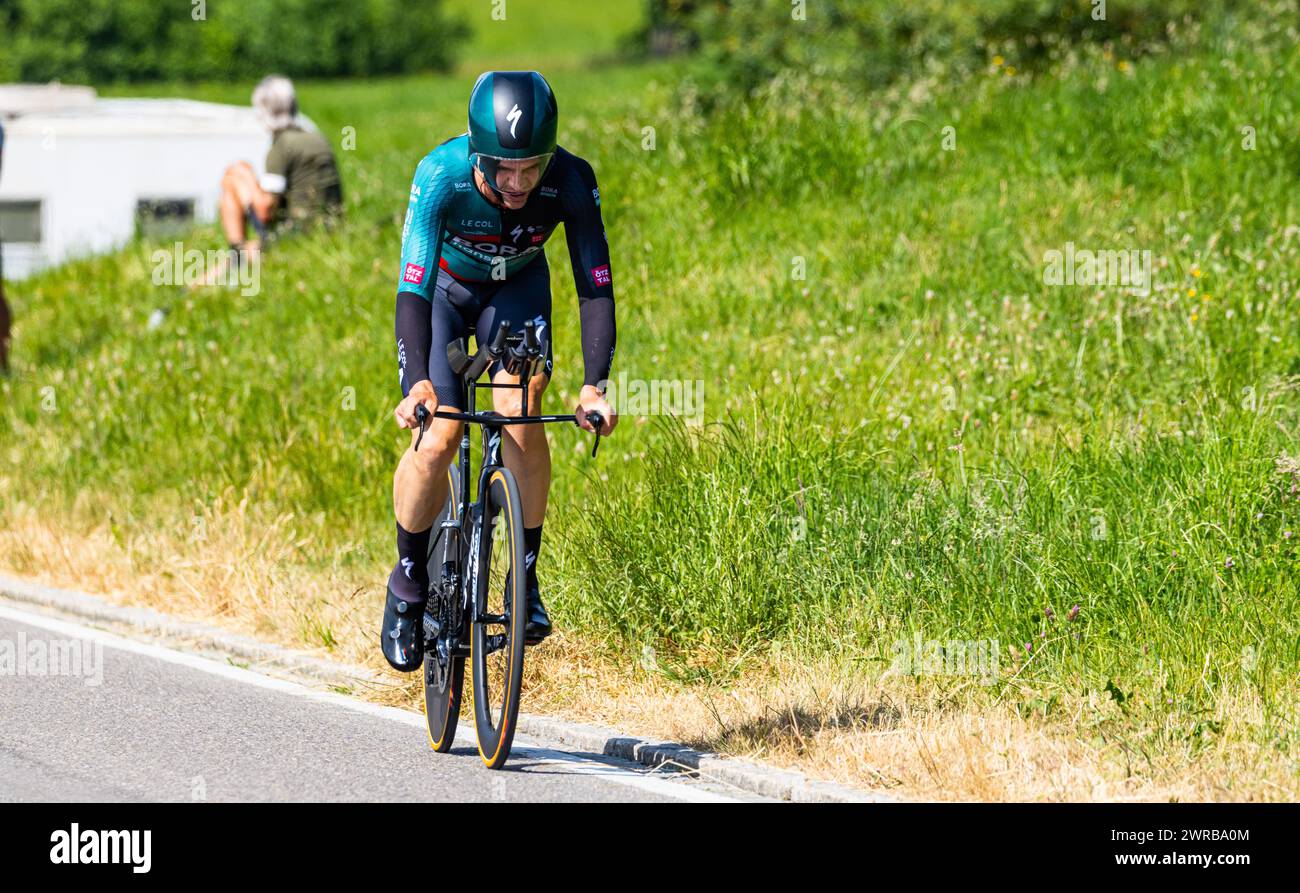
(597, 422)
(423, 415)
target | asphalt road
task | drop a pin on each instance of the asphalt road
(109, 719)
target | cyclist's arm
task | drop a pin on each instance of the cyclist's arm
(592, 279)
(414, 338)
(421, 249)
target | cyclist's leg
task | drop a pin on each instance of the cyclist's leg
(527, 295)
(420, 483)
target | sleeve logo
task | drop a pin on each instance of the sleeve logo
(601, 274)
(415, 274)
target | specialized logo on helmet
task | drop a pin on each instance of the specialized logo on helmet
(515, 114)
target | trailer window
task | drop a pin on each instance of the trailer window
(20, 221)
(156, 217)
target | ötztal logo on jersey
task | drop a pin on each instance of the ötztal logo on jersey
(601, 274)
(414, 274)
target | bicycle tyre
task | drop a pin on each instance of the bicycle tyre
(496, 734)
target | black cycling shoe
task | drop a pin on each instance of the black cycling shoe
(539, 624)
(402, 636)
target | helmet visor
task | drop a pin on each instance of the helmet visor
(512, 174)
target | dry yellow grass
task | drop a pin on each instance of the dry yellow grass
(913, 741)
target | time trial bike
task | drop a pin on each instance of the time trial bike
(477, 606)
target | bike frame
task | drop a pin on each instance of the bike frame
(491, 424)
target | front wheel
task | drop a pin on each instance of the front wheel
(444, 674)
(498, 643)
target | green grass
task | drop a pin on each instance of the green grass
(917, 435)
(543, 34)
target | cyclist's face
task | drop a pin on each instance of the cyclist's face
(519, 177)
(516, 178)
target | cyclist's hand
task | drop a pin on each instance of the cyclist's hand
(421, 393)
(591, 400)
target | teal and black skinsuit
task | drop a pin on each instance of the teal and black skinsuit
(467, 263)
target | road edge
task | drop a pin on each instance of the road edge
(744, 775)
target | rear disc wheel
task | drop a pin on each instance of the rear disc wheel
(444, 677)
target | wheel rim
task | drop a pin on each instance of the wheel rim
(498, 647)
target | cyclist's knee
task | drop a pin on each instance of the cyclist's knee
(439, 444)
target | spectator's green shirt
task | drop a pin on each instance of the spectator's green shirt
(300, 168)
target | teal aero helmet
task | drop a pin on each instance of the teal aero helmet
(512, 117)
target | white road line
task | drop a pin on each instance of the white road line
(560, 760)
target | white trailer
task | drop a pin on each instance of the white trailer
(81, 174)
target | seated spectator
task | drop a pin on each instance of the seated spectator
(301, 186)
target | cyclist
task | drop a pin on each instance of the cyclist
(481, 208)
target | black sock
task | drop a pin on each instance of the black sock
(532, 546)
(410, 578)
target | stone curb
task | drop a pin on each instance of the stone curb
(765, 781)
